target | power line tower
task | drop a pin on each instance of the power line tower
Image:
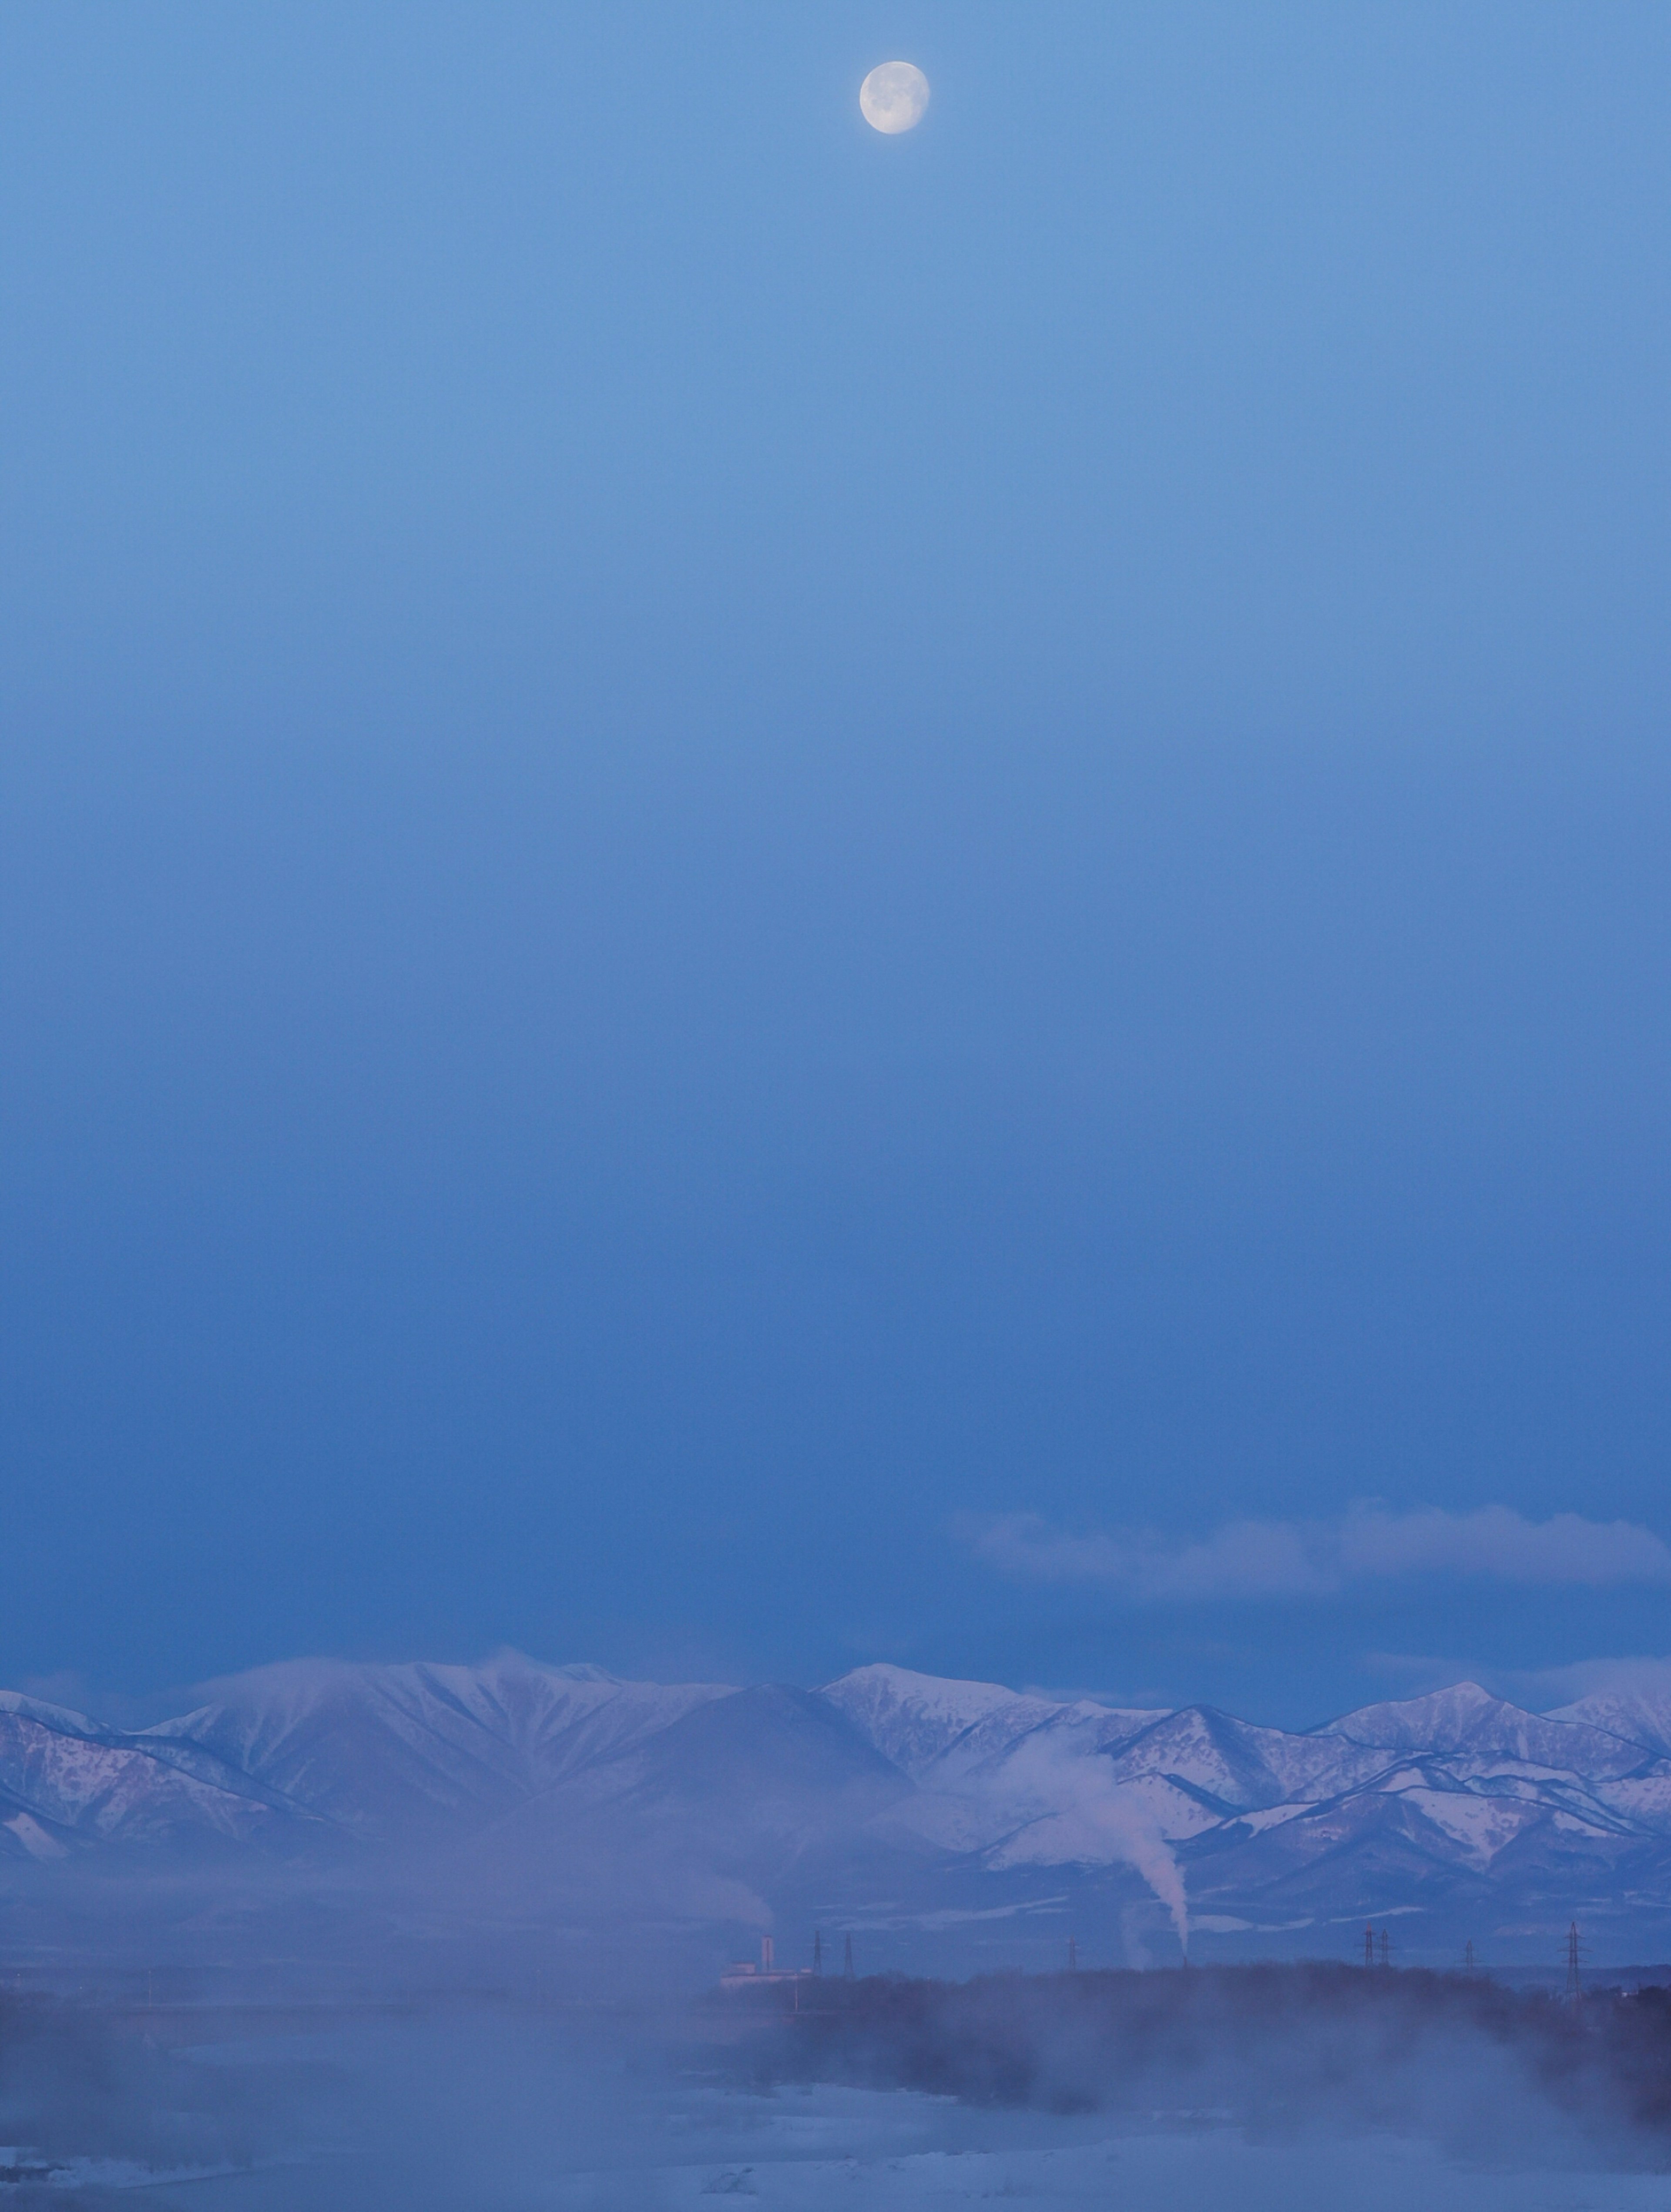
(1386, 1949)
(818, 1951)
(1467, 1956)
(1368, 1947)
(1574, 1986)
(847, 1961)
(1073, 1956)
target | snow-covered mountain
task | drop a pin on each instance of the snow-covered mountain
(376, 1749)
(922, 1803)
(65, 1779)
(1642, 1716)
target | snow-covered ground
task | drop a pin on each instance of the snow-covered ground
(1173, 2170)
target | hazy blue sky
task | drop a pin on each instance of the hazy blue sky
(731, 848)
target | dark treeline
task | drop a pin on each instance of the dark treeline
(1279, 2046)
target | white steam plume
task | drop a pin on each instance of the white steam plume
(1073, 1811)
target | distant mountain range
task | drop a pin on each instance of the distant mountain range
(947, 1822)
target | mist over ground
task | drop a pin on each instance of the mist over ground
(1280, 2049)
(1168, 2089)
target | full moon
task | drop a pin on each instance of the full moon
(893, 97)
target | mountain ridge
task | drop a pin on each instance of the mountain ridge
(946, 1796)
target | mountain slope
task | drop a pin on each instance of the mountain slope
(378, 1748)
(1640, 1717)
(1467, 1719)
(67, 1781)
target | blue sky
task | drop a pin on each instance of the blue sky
(770, 898)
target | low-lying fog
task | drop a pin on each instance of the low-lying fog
(1168, 2089)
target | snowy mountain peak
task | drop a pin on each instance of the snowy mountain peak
(1467, 1718)
(58, 1717)
(375, 1747)
(1641, 1716)
(914, 1719)
(960, 1735)
(1441, 1720)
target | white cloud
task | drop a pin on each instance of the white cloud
(1319, 1558)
